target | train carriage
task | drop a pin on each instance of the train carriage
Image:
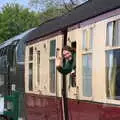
(50, 95)
(12, 75)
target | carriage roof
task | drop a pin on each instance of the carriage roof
(16, 38)
(83, 12)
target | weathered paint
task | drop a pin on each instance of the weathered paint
(49, 108)
(84, 110)
(43, 107)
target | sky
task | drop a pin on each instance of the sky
(21, 2)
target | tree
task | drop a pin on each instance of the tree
(48, 9)
(50, 13)
(42, 5)
(15, 19)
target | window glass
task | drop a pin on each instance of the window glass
(20, 52)
(52, 76)
(113, 33)
(52, 67)
(87, 39)
(109, 33)
(113, 74)
(116, 33)
(84, 39)
(38, 67)
(31, 53)
(30, 76)
(87, 75)
(52, 48)
(91, 38)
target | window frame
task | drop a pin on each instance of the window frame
(90, 87)
(88, 38)
(30, 61)
(87, 52)
(113, 43)
(52, 58)
(109, 48)
(38, 67)
(31, 55)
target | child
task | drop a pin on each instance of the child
(69, 62)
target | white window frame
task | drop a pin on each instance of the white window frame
(86, 52)
(109, 47)
(87, 35)
(52, 58)
(30, 62)
(38, 68)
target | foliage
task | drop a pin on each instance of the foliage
(66, 5)
(15, 19)
(50, 13)
(43, 5)
(49, 9)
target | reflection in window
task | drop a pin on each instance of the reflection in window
(84, 39)
(87, 39)
(91, 38)
(20, 53)
(52, 67)
(52, 76)
(31, 53)
(87, 75)
(38, 67)
(113, 74)
(113, 33)
(30, 76)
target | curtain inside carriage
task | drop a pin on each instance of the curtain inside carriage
(113, 74)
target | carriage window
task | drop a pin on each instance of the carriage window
(87, 39)
(113, 60)
(31, 53)
(113, 33)
(52, 76)
(113, 74)
(38, 67)
(52, 48)
(87, 75)
(30, 85)
(84, 45)
(52, 69)
(2, 52)
(30, 76)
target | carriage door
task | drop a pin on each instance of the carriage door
(59, 46)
